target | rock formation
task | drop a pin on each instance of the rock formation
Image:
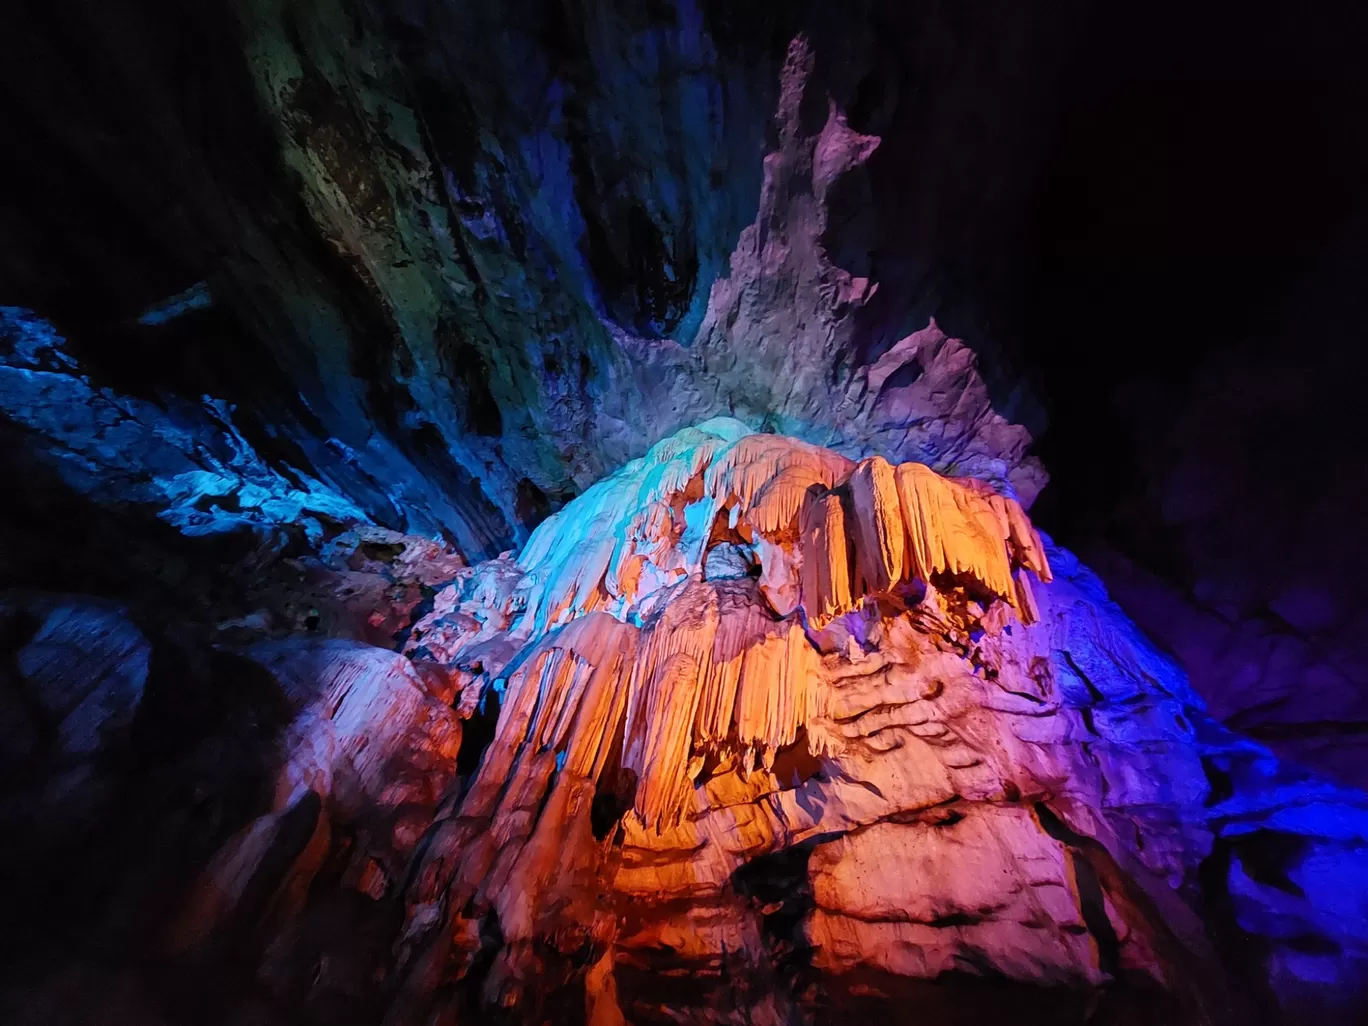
(749, 732)
(484, 280)
(952, 770)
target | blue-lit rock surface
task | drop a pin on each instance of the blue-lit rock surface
(72, 692)
(181, 458)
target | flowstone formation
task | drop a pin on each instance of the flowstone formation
(806, 733)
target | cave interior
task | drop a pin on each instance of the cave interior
(676, 511)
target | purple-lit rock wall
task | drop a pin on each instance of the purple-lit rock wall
(1257, 532)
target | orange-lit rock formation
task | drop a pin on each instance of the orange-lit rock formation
(743, 653)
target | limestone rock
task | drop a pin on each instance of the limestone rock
(907, 726)
(191, 463)
(82, 668)
(460, 313)
(925, 898)
(913, 754)
(366, 733)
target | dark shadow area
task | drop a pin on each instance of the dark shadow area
(1202, 211)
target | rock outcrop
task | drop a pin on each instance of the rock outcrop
(369, 749)
(183, 458)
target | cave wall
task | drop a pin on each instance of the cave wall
(278, 278)
(470, 253)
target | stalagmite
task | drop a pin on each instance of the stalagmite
(714, 669)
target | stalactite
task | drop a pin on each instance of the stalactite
(714, 673)
(957, 530)
(667, 717)
(826, 560)
(594, 554)
(756, 461)
(711, 673)
(881, 536)
(674, 661)
(649, 526)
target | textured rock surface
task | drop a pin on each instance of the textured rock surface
(931, 782)
(71, 689)
(368, 749)
(186, 458)
(433, 265)
(758, 729)
(1276, 642)
(1300, 691)
(470, 279)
